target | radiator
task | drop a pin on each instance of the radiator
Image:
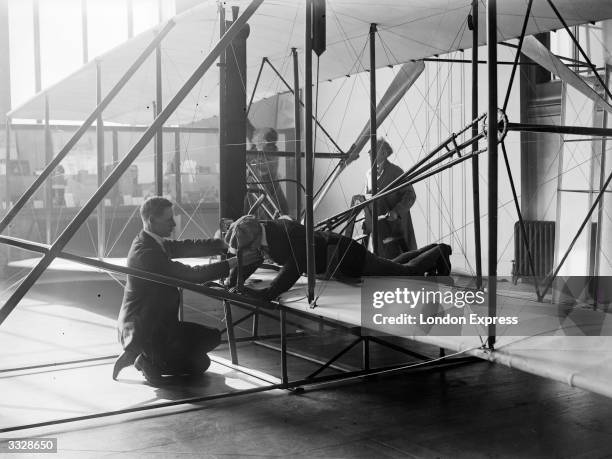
(541, 239)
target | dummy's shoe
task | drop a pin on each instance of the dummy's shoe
(443, 266)
(124, 360)
(446, 249)
(149, 370)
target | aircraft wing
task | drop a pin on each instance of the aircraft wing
(407, 30)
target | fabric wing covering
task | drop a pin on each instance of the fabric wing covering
(407, 30)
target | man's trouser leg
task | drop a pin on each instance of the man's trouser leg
(186, 348)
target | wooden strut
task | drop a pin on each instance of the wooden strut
(309, 150)
(373, 142)
(297, 119)
(492, 175)
(475, 161)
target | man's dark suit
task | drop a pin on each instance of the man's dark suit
(334, 255)
(148, 320)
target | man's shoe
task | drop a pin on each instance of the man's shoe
(124, 360)
(200, 365)
(198, 368)
(148, 369)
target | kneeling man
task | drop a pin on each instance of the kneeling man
(153, 338)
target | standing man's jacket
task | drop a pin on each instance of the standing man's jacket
(401, 201)
(149, 309)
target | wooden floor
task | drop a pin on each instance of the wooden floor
(476, 410)
(482, 410)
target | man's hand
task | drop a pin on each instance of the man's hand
(255, 293)
(232, 262)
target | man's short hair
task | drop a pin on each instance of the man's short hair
(270, 135)
(154, 207)
(383, 147)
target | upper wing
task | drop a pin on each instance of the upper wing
(407, 30)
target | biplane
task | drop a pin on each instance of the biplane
(201, 74)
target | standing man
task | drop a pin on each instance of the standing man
(395, 230)
(264, 163)
(152, 337)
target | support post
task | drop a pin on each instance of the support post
(159, 135)
(222, 107)
(48, 185)
(130, 17)
(231, 339)
(475, 160)
(255, 325)
(600, 209)
(232, 162)
(603, 225)
(129, 158)
(177, 166)
(177, 180)
(365, 364)
(101, 217)
(298, 135)
(7, 188)
(84, 32)
(5, 61)
(116, 197)
(373, 150)
(283, 337)
(602, 175)
(310, 261)
(492, 156)
(37, 69)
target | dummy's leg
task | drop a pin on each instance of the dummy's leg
(434, 261)
(376, 266)
(407, 256)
